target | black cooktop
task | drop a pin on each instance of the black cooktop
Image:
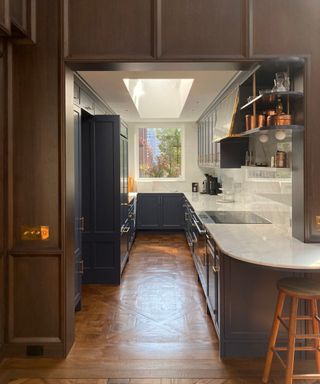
(232, 217)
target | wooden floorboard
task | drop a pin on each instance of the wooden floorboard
(153, 329)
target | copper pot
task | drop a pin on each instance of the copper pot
(270, 112)
(248, 122)
(279, 120)
(254, 121)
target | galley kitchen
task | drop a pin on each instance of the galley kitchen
(184, 244)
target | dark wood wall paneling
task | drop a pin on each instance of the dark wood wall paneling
(36, 268)
(3, 81)
(123, 29)
(68, 184)
(4, 17)
(18, 20)
(118, 30)
(18, 14)
(202, 29)
(296, 31)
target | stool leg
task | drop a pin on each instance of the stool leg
(315, 328)
(292, 339)
(273, 337)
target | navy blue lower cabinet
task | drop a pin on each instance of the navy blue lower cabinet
(149, 211)
(160, 211)
(172, 211)
(241, 300)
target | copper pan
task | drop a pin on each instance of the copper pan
(279, 120)
(255, 121)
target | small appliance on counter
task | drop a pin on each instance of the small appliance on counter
(211, 186)
(195, 187)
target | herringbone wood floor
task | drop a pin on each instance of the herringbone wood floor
(153, 327)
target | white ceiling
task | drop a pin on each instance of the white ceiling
(110, 87)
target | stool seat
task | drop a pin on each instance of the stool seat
(300, 287)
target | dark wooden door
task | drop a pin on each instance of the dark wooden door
(109, 29)
(202, 29)
(78, 222)
(101, 199)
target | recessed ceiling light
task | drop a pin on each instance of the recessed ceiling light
(159, 98)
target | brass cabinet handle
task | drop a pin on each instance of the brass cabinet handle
(81, 224)
(215, 268)
(81, 267)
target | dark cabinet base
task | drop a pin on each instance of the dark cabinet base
(160, 211)
(247, 300)
(241, 300)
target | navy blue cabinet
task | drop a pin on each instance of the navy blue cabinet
(104, 199)
(160, 211)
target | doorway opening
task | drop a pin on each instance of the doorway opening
(160, 278)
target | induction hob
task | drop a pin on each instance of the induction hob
(231, 217)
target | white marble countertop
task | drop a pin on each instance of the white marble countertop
(270, 245)
(131, 196)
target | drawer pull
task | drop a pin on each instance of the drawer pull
(215, 268)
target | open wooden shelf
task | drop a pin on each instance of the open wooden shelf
(264, 96)
(271, 128)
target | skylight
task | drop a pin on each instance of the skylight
(159, 98)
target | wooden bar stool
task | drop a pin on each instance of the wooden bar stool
(296, 289)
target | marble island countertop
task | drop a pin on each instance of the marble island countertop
(270, 245)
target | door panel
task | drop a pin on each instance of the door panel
(149, 211)
(202, 28)
(77, 206)
(289, 36)
(172, 211)
(124, 179)
(113, 28)
(101, 199)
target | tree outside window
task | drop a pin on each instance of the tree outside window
(160, 153)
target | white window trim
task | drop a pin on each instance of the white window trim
(136, 152)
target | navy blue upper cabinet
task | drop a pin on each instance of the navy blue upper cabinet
(160, 211)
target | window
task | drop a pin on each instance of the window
(160, 153)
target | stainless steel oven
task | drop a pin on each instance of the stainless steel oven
(199, 249)
(196, 238)
(213, 255)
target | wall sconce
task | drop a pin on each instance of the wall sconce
(263, 138)
(280, 134)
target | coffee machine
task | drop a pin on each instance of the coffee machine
(211, 186)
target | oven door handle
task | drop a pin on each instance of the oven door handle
(211, 249)
(194, 238)
(189, 240)
(201, 231)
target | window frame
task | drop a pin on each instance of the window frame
(136, 151)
